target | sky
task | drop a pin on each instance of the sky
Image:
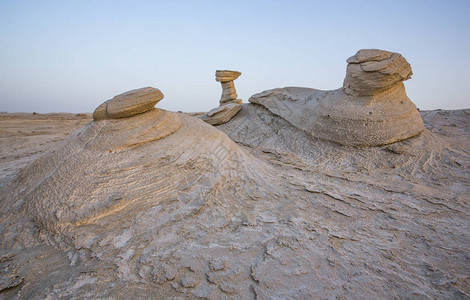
(70, 56)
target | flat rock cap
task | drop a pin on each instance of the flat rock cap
(364, 55)
(128, 104)
(226, 75)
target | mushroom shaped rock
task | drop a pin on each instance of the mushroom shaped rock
(371, 109)
(221, 114)
(229, 94)
(132, 120)
(372, 71)
(128, 104)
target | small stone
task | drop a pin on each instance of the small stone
(221, 114)
(228, 288)
(217, 264)
(188, 281)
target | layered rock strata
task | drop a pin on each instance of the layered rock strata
(128, 104)
(371, 72)
(371, 109)
(226, 78)
(221, 114)
(147, 123)
(229, 104)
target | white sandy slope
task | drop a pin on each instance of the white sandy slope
(254, 208)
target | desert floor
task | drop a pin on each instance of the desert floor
(25, 136)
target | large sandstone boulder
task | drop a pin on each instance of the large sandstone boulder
(372, 71)
(371, 109)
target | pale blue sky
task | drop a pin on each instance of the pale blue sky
(70, 56)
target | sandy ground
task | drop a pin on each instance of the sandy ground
(24, 136)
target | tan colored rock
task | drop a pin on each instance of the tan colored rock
(372, 71)
(229, 104)
(100, 112)
(226, 75)
(226, 78)
(221, 114)
(229, 94)
(371, 109)
(128, 104)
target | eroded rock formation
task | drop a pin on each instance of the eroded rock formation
(371, 72)
(128, 104)
(229, 104)
(371, 108)
(133, 117)
(226, 78)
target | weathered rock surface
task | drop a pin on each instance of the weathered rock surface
(372, 71)
(226, 75)
(128, 104)
(371, 109)
(252, 209)
(221, 114)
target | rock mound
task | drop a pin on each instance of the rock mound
(119, 162)
(371, 109)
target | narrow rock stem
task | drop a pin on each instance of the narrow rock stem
(229, 93)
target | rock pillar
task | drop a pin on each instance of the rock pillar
(229, 94)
